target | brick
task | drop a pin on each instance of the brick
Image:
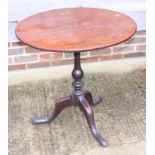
(38, 65)
(110, 57)
(18, 44)
(68, 55)
(16, 67)
(10, 61)
(71, 55)
(117, 56)
(16, 51)
(123, 48)
(101, 51)
(106, 57)
(33, 50)
(62, 62)
(143, 32)
(90, 59)
(135, 40)
(22, 59)
(141, 48)
(51, 56)
(132, 55)
(9, 44)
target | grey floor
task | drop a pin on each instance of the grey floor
(120, 117)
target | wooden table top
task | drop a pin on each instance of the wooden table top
(75, 29)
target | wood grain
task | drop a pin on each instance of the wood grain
(75, 29)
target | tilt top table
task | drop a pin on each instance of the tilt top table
(75, 30)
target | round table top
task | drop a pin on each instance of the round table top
(75, 29)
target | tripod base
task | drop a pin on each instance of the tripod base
(80, 98)
(84, 101)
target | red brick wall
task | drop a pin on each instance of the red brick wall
(22, 57)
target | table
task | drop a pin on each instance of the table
(75, 30)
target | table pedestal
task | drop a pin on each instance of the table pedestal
(80, 98)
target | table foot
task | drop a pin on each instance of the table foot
(88, 112)
(59, 106)
(97, 99)
(89, 98)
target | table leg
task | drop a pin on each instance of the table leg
(59, 106)
(88, 112)
(89, 97)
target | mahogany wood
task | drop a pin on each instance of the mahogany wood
(59, 106)
(89, 98)
(80, 98)
(88, 112)
(75, 29)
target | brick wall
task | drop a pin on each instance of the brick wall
(21, 57)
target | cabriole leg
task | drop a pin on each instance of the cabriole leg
(59, 106)
(89, 115)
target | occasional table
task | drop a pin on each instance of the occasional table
(75, 30)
